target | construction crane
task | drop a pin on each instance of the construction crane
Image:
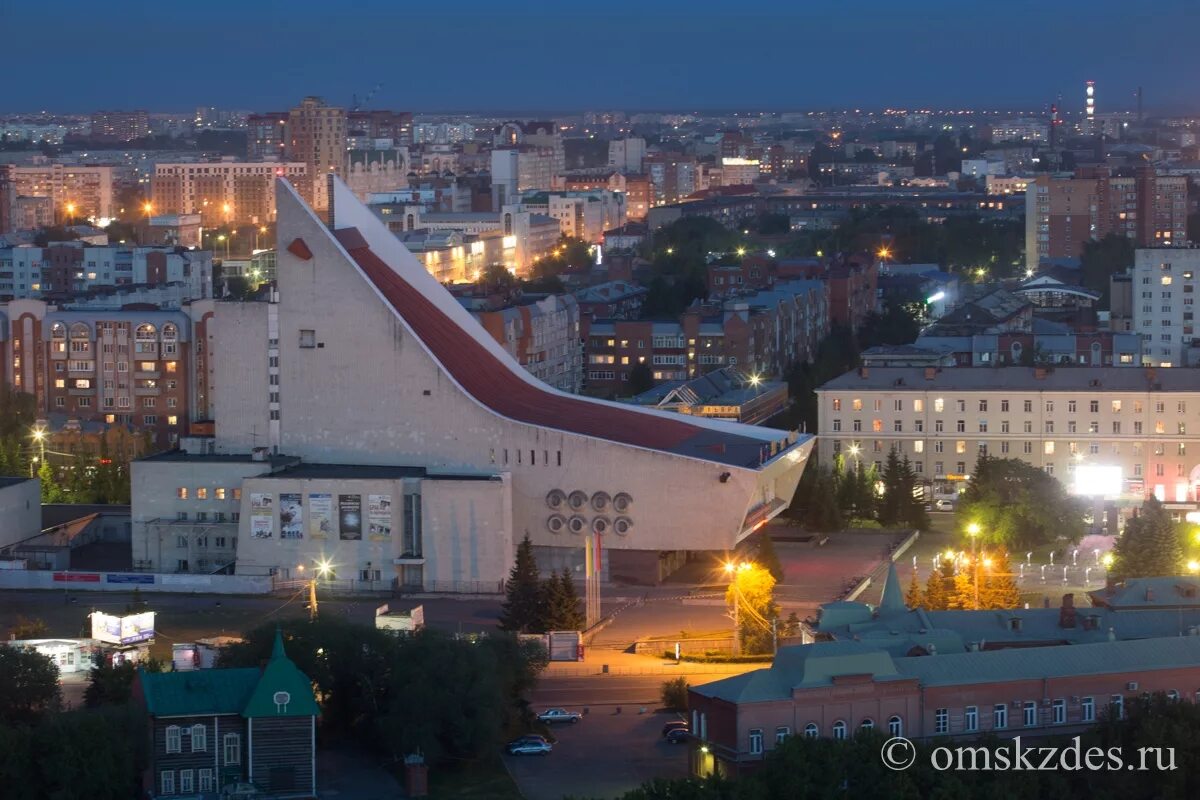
(355, 105)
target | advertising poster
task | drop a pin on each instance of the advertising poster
(350, 516)
(106, 628)
(291, 517)
(379, 515)
(262, 526)
(260, 501)
(320, 516)
(137, 628)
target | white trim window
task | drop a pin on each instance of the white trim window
(206, 780)
(782, 733)
(1087, 709)
(232, 749)
(756, 741)
(186, 784)
(166, 781)
(199, 739)
(896, 726)
(174, 742)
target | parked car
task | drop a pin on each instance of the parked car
(529, 746)
(559, 715)
(240, 790)
(674, 725)
(943, 505)
(678, 736)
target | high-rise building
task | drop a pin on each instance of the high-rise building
(1089, 108)
(673, 176)
(395, 126)
(223, 192)
(317, 137)
(1163, 288)
(119, 126)
(625, 155)
(1063, 213)
(266, 136)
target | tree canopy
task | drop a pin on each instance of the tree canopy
(28, 685)
(1017, 505)
(1149, 547)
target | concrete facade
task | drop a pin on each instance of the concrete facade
(1162, 296)
(20, 509)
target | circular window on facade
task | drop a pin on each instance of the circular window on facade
(577, 499)
(623, 525)
(600, 525)
(556, 498)
(622, 502)
(556, 523)
(600, 501)
(577, 524)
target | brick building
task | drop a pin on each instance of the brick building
(222, 192)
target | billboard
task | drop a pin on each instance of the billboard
(379, 515)
(320, 515)
(123, 630)
(350, 516)
(291, 517)
(1096, 480)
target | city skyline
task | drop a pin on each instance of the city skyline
(758, 58)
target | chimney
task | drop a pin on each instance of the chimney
(1066, 614)
(863, 372)
(930, 373)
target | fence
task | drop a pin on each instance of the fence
(71, 580)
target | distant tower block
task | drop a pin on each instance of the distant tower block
(1090, 108)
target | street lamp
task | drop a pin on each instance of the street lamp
(1193, 566)
(854, 451)
(732, 569)
(884, 254)
(70, 213)
(324, 570)
(973, 532)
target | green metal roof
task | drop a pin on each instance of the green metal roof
(199, 692)
(247, 691)
(282, 677)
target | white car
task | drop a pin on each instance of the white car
(559, 715)
(943, 505)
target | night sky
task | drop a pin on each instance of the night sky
(173, 55)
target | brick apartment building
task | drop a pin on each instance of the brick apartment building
(760, 333)
(1064, 212)
(140, 367)
(223, 192)
(851, 283)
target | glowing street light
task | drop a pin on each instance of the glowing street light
(884, 254)
(973, 531)
(1193, 566)
(755, 380)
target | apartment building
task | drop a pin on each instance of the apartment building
(146, 369)
(68, 268)
(672, 177)
(317, 138)
(222, 192)
(120, 126)
(76, 192)
(1144, 421)
(1064, 212)
(266, 136)
(1163, 296)
(580, 215)
(540, 331)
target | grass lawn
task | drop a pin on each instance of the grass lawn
(477, 781)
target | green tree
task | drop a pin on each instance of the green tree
(110, 685)
(751, 594)
(560, 604)
(28, 685)
(912, 506)
(25, 628)
(822, 512)
(1017, 505)
(893, 503)
(1103, 258)
(913, 596)
(51, 491)
(521, 611)
(937, 590)
(998, 585)
(675, 694)
(962, 592)
(765, 555)
(1149, 546)
(641, 379)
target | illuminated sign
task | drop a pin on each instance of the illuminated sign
(1097, 480)
(935, 297)
(122, 630)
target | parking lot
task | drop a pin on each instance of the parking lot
(604, 756)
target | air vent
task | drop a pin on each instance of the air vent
(577, 499)
(577, 524)
(622, 502)
(600, 501)
(623, 525)
(556, 498)
(600, 525)
(556, 523)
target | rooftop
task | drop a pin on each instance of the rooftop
(984, 379)
(366, 472)
(5, 482)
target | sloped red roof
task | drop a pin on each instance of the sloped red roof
(496, 385)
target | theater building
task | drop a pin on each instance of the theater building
(364, 370)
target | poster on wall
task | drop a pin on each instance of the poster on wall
(379, 515)
(350, 516)
(291, 517)
(262, 526)
(260, 501)
(320, 516)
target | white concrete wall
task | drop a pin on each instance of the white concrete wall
(100, 582)
(467, 534)
(20, 511)
(238, 393)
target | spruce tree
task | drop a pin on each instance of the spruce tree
(823, 512)
(51, 491)
(1149, 547)
(890, 504)
(998, 587)
(912, 511)
(521, 610)
(914, 597)
(962, 596)
(572, 616)
(937, 593)
(765, 556)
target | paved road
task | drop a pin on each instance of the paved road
(633, 691)
(604, 756)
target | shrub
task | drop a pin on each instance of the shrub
(675, 694)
